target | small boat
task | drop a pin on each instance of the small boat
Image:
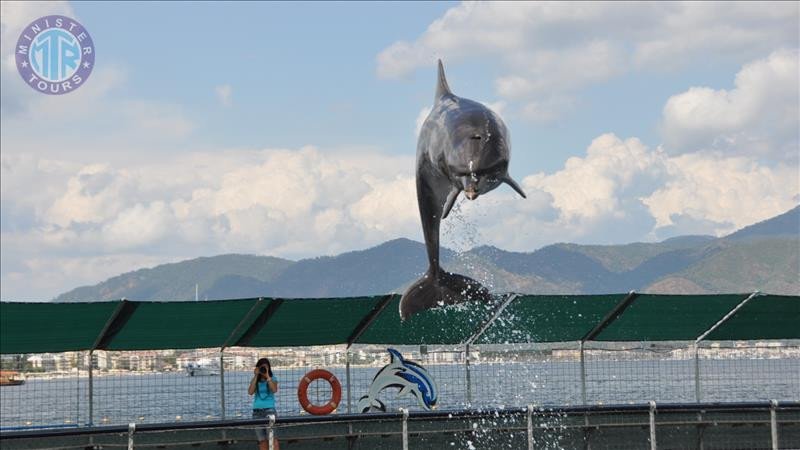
(202, 367)
(11, 378)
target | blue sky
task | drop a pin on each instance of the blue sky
(288, 129)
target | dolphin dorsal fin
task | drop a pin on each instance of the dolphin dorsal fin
(442, 88)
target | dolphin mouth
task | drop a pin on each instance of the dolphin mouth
(472, 195)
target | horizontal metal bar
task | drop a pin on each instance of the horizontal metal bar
(413, 415)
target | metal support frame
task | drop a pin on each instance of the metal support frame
(530, 427)
(222, 383)
(405, 427)
(773, 423)
(271, 432)
(697, 371)
(257, 306)
(258, 323)
(131, 432)
(471, 340)
(91, 390)
(653, 445)
(467, 375)
(347, 381)
(728, 316)
(367, 320)
(697, 342)
(115, 323)
(611, 316)
(583, 373)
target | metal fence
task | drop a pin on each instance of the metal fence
(767, 425)
(80, 389)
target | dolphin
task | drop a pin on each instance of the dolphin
(463, 146)
(410, 377)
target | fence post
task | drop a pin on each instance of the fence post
(583, 375)
(530, 427)
(653, 425)
(347, 381)
(271, 432)
(697, 372)
(405, 428)
(91, 390)
(468, 376)
(222, 383)
(773, 423)
(131, 431)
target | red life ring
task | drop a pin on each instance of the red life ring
(302, 392)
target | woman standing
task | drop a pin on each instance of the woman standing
(263, 387)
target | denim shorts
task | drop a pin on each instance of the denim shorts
(264, 413)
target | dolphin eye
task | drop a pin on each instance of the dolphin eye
(477, 137)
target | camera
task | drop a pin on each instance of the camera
(262, 369)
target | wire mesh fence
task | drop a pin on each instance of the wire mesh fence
(106, 388)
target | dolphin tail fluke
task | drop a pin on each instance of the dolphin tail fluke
(440, 288)
(441, 86)
(366, 405)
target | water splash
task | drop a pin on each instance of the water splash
(461, 234)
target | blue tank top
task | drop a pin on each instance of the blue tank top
(264, 397)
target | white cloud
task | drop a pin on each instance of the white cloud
(224, 94)
(596, 186)
(726, 192)
(291, 203)
(549, 50)
(758, 117)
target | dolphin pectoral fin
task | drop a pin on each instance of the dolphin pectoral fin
(510, 181)
(451, 200)
(440, 289)
(442, 88)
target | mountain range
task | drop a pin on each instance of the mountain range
(764, 256)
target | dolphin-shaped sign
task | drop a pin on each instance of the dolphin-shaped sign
(410, 377)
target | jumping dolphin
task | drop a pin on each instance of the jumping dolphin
(410, 377)
(462, 146)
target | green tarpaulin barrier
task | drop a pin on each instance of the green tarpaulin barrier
(768, 317)
(51, 327)
(669, 317)
(549, 318)
(164, 325)
(130, 325)
(448, 325)
(300, 322)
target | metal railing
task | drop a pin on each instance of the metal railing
(773, 425)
